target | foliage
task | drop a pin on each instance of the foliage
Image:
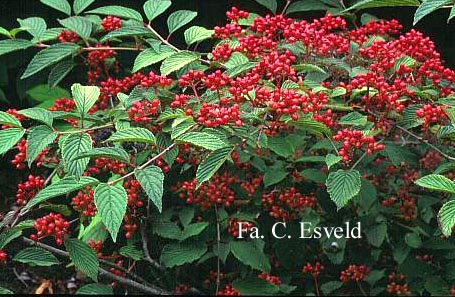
(313, 122)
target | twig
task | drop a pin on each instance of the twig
(145, 247)
(19, 277)
(102, 272)
(288, 2)
(143, 165)
(361, 289)
(86, 129)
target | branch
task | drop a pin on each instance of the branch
(102, 272)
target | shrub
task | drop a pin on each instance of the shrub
(283, 120)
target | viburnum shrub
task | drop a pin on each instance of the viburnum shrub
(142, 176)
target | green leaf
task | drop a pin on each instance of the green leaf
(131, 252)
(269, 4)
(177, 61)
(313, 174)
(197, 34)
(406, 61)
(354, 118)
(38, 114)
(151, 180)
(115, 153)
(9, 137)
(446, 217)
(281, 146)
(111, 202)
(43, 93)
(40, 137)
(73, 146)
(306, 5)
(80, 25)
(331, 286)
(11, 45)
(436, 182)
(34, 25)
(48, 35)
(273, 176)
(436, 286)
(127, 31)
(95, 289)
(255, 286)
(118, 11)
(413, 240)
(83, 257)
(85, 97)
(376, 234)
(398, 154)
(80, 5)
(331, 160)
(10, 120)
(452, 14)
(9, 235)
(311, 126)
(178, 254)
(250, 254)
(179, 18)
(202, 139)
(193, 230)
(154, 8)
(210, 165)
(343, 185)
(382, 3)
(49, 56)
(133, 135)
(64, 186)
(428, 7)
(60, 5)
(150, 56)
(36, 256)
(5, 291)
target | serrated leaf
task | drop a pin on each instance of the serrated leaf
(73, 146)
(250, 254)
(9, 235)
(49, 56)
(452, 14)
(178, 254)
(311, 126)
(255, 286)
(179, 18)
(376, 234)
(428, 7)
(10, 120)
(36, 256)
(115, 153)
(269, 4)
(85, 97)
(177, 61)
(331, 160)
(273, 176)
(193, 230)
(95, 289)
(83, 257)
(343, 185)
(197, 34)
(154, 8)
(406, 61)
(60, 5)
(306, 5)
(111, 202)
(43, 93)
(80, 25)
(354, 118)
(382, 3)
(446, 217)
(150, 56)
(9, 138)
(202, 139)
(436, 182)
(236, 59)
(181, 128)
(5, 291)
(11, 45)
(210, 165)
(240, 69)
(38, 114)
(64, 186)
(133, 135)
(34, 25)
(80, 5)
(131, 252)
(151, 180)
(281, 146)
(330, 286)
(118, 11)
(40, 137)
(127, 31)
(59, 72)
(48, 35)
(313, 174)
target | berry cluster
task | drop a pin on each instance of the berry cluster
(431, 115)
(3, 257)
(84, 202)
(53, 224)
(275, 280)
(103, 164)
(234, 227)
(313, 270)
(141, 111)
(214, 115)
(228, 291)
(68, 36)
(27, 190)
(397, 285)
(431, 160)
(354, 273)
(111, 23)
(354, 140)
(287, 204)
